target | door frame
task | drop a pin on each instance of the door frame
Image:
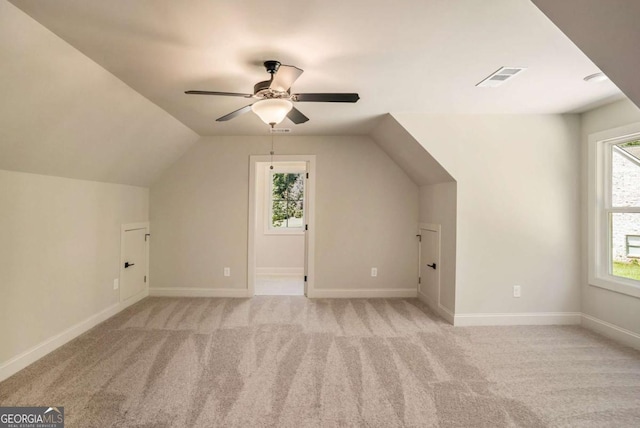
(123, 229)
(437, 229)
(310, 197)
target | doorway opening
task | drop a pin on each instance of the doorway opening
(280, 225)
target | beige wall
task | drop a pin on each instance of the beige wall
(59, 253)
(615, 308)
(273, 250)
(366, 214)
(518, 203)
(438, 206)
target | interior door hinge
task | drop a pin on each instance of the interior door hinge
(419, 238)
(146, 235)
(305, 278)
(145, 278)
(419, 280)
(307, 175)
(306, 227)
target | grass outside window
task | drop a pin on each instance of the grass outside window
(627, 270)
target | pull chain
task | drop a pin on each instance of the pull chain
(272, 124)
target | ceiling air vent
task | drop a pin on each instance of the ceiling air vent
(280, 130)
(501, 76)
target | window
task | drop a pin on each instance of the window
(624, 206)
(633, 246)
(614, 220)
(286, 201)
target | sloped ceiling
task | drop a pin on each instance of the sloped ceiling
(62, 114)
(409, 56)
(607, 32)
(408, 153)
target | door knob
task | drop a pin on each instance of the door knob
(432, 266)
(127, 264)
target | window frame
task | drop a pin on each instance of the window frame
(268, 226)
(600, 208)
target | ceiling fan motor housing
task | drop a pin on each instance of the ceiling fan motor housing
(259, 87)
(262, 89)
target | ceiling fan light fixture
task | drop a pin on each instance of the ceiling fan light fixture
(272, 111)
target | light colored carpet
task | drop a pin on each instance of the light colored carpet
(279, 285)
(293, 362)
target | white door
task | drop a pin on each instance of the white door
(134, 263)
(429, 284)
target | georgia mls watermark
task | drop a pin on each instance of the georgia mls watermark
(31, 417)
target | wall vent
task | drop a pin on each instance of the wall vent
(499, 77)
(280, 130)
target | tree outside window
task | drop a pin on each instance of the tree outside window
(287, 200)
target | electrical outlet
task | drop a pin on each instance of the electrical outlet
(116, 284)
(227, 271)
(516, 291)
(374, 271)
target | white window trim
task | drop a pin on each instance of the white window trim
(599, 176)
(268, 229)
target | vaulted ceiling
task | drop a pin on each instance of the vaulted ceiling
(62, 114)
(607, 31)
(94, 90)
(407, 56)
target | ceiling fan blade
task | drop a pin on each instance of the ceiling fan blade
(326, 98)
(296, 116)
(233, 114)
(227, 94)
(284, 77)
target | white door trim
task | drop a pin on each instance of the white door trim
(309, 235)
(126, 228)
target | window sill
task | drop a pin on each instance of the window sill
(618, 285)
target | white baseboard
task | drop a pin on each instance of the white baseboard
(363, 294)
(534, 318)
(280, 271)
(19, 362)
(611, 331)
(447, 314)
(444, 313)
(198, 292)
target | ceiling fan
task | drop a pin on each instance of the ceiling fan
(275, 100)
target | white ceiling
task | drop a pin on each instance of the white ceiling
(596, 26)
(401, 56)
(62, 114)
(408, 153)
